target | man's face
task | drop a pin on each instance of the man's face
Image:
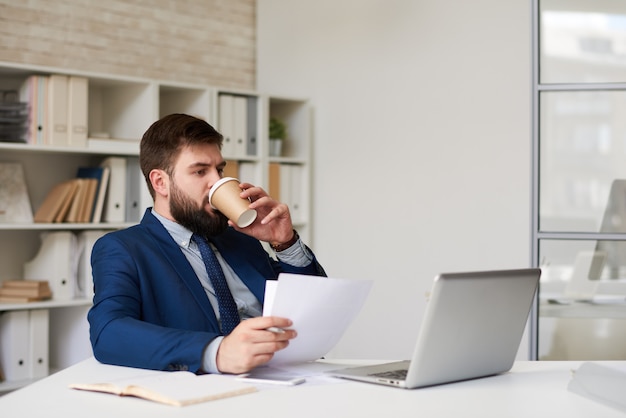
(196, 170)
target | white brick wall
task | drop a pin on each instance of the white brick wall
(198, 41)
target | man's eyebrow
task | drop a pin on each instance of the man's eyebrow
(200, 164)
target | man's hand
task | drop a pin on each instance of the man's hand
(250, 344)
(273, 223)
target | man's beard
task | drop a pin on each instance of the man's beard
(197, 220)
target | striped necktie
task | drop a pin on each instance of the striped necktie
(229, 315)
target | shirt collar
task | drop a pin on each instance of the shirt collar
(181, 235)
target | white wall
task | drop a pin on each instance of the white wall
(422, 143)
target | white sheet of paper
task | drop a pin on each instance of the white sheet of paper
(321, 309)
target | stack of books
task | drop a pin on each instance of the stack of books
(17, 291)
(13, 117)
(80, 199)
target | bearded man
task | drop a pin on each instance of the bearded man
(157, 304)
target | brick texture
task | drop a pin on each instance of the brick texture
(209, 42)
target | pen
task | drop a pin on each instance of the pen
(275, 329)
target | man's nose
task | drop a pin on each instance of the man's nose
(214, 177)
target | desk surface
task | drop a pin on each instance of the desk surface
(529, 389)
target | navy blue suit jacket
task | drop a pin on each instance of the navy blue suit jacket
(150, 310)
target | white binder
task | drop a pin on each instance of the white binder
(77, 111)
(252, 127)
(38, 343)
(55, 262)
(226, 123)
(240, 127)
(84, 281)
(57, 110)
(291, 180)
(138, 197)
(14, 345)
(248, 173)
(115, 200)
(297, 199)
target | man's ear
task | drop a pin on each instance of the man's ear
(160, 182)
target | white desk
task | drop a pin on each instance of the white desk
(531, 389)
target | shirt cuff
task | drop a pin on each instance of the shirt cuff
(298, 255)
(209, 358)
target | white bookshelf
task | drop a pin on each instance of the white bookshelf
(120, 109)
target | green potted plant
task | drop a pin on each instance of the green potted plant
(277, 134)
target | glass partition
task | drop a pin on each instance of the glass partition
(582, 309)
(582, 41)
(582, 152)
(579, 179)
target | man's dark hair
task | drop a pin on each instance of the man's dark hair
(163, 141)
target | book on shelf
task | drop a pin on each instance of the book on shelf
(180, 388)
(103, 186)
(89, 200)
(20, 299)
(67, 202)
(95, 201)
(17, 291)
(38, 285)
(57, 202)
(14, 201)
(80, 199)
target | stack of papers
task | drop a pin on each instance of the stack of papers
(321, 309)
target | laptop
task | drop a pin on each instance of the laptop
(472, 328)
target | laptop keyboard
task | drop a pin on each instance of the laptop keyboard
(392, 374)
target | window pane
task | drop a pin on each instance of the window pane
(570, 268)
(582, 161)
(582, 313)
(582, 43)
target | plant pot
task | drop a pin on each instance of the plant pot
(276, 147)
